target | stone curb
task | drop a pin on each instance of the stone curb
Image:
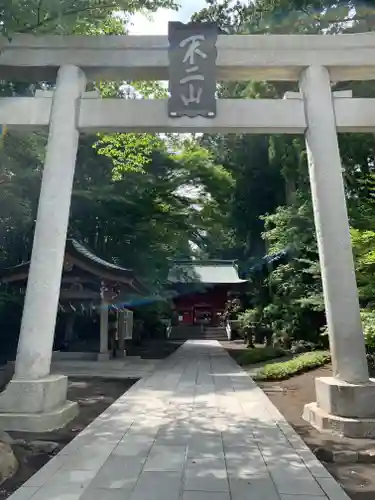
(345, 457)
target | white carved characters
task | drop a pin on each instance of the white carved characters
(192, 71)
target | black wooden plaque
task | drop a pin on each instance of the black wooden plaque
(192, 69)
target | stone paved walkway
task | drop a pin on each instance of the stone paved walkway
(198, 428)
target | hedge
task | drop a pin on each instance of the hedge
(299, 364)
(258, 354)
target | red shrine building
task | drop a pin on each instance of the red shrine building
(201, 289)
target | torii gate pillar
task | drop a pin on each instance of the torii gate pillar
(345, 402)
(35, 400)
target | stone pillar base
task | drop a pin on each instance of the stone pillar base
(358, 428)
(343, 408)
(36, 405)
(104, 356)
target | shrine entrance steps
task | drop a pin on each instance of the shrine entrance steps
(196, 428)
(199, 332)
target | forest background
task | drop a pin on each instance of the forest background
(141, 200)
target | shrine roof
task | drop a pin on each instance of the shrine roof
(79, 255)
(211, 272)
(73, 247)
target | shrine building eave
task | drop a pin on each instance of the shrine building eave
(79, 256)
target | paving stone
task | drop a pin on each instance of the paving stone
(87, 460)
(205, 495)
(76, 478)
(118, 473)
(332, 489)
(302, 497)
(24, 493)
(85, 438)
(158, 486)
(173, 437)
(233, 439)
(106, 494)
(293, 485)
(207, 481)
(257, 488)
(58, 492)
(201, 445)
(46, 473)
(316, 468)
(292, 477)
(136, 446)
(206, 474)
(166, 458)
(244, 463)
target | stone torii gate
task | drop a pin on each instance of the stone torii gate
(346, 401)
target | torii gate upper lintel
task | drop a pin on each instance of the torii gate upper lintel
(240, 57)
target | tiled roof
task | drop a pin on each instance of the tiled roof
(209, 272)
(76, 249)
(85, 252)
(119, 273)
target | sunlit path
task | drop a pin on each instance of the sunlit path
(197, 428)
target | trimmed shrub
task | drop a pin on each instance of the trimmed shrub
(259, 354)
(299, 364)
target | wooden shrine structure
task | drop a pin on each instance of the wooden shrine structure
(92, 284)
(201, 289)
